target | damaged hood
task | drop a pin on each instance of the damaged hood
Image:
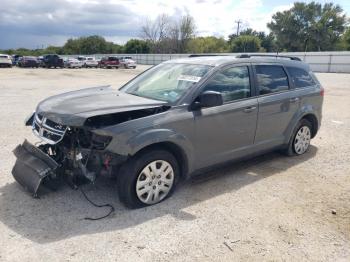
(73, 108)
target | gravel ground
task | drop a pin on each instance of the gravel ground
(268, 208)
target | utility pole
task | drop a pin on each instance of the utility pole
(238, 22)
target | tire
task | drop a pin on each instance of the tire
(137, 171)
(300, 139)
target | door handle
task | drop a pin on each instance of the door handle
(249, 109)
(294, 99)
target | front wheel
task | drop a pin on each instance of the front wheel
(300, 140)
(148, 178)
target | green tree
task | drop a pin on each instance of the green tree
(310, 27)
(134, 46)
(209, 44)
(246, 43)
(53, 50)
(344, 43)
(267, 41)
(90, 45)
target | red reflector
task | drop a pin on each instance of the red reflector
(322, 92)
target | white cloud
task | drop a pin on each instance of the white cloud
(213, 17)
(119, 20)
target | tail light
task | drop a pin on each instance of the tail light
(322, 91)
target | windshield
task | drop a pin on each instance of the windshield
(166, 82)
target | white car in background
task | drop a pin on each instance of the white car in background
(73, 63)
(127, 62)
(88, 61)
(5, 61)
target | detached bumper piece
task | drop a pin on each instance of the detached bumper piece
(32, 166)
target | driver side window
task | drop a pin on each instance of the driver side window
(233, 83)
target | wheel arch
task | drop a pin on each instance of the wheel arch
(178, 152)
(309, 115)
(314, 123)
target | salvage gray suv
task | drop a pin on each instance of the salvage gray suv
(172, 121)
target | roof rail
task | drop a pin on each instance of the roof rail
(275, 56)
(203, 55)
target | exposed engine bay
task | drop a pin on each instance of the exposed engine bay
(73, 155)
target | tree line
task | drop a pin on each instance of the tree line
(304, 27)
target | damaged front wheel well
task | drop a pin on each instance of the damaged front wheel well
(176, 150)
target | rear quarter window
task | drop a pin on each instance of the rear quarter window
(300, 77)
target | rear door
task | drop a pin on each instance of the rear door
(224, 132)
(277, 104)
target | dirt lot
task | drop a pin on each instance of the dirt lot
(268, 208)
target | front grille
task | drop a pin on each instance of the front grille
(48, 130)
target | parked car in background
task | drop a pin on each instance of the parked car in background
(41, 61)
(73, 63)
(171, 122)
(28, 61)
(15, 59)
(109, 62)
(52, 60)
(127, 62)
(5, 61)
(88, 61)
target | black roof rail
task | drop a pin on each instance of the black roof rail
(275, 56)
(203, 55)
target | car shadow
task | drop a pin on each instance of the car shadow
(60, 215)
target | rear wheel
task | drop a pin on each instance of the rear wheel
(148, 178)
(300, 140)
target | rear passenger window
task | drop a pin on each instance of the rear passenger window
(271, 79)
(233, 83)
(300, 77)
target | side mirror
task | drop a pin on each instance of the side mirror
(208, 99)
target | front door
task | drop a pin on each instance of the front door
(224, 132)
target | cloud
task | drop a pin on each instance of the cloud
(58, 18)
(31, 23)
(63, 17)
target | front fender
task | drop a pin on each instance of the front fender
(145, 138)
(154, 136)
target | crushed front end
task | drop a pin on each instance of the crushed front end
(70, 154)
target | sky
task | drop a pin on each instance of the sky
(39, 23)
